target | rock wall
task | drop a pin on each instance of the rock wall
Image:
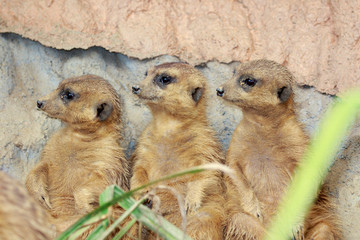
(318, 40)
(28, 70)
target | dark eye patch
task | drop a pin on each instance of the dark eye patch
(163, 80)
(251, 82)
(247, 82)
(68, 95)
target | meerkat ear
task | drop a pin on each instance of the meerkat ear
(104, 110)
(284, 93)
(196, 94)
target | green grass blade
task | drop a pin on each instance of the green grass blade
(82, 221)
(92, 217)
(121, 218)
(75, 235)
(105, 196)
(98, 231)
(317, 160)
(154, 222)
(124, 230)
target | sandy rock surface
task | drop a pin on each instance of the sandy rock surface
(29, 71)
(318, 40)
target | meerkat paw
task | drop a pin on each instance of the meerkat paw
(85, 206)
(256, 212)
(36, 184)
(254, 209)
(85, 200)
(191, 205)
(298, 232)
(43, 197)
(151, 201)
(243, 226)
(321, 231)
(205, 225)
(140, 194)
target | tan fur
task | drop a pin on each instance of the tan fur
(21, 217)
(265, 149)
(179, 137)
(84, 156)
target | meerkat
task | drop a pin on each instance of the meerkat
(265, 149)
(179, 137)
(21, 216)
(85, 156)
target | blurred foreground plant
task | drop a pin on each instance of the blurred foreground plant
(314, 167)
(113, 195)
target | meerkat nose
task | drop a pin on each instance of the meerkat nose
(220, 91)
(39, 104)
(136, 89)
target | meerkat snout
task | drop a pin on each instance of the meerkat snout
(40, 104)
(220, 91)
(136, 89)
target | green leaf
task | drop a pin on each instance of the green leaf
(92, 216)
(154, 222)
(98, 231)
(104, 197)
(124, 230)
(121, 218)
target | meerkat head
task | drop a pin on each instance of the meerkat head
(177, 88)
(84, 100)
(259, 85)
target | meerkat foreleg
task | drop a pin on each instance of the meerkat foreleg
(37, 184)
(248, 200)
(321, 231)
(195, 193)
(86, 199)
(194, 197)
(321, 223)
(139, 178)
(86, 195)
(243, 226)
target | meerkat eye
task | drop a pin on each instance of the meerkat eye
(67, 95)
(250, 82)
(163, 80)
(146, 73)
